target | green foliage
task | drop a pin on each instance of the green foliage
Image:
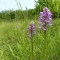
(53, 5)
(15, 45)
(8, 15)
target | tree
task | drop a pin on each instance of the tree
(53, 5)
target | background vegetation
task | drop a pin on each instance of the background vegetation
(53, 5)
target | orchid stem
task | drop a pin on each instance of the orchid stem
(45, 45)
(32, 48)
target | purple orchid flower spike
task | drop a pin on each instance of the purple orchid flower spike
(45, 18)
(31, 29)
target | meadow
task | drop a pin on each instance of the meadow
(15, 44)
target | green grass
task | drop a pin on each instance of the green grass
(15, 45)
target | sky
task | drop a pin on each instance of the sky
(12, 5)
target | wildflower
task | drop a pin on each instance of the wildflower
(45, 18)
(17, 27)
(31, 29)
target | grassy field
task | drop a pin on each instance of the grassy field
(15, 45)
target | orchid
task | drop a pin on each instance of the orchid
(31, 29)
(45, 18)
